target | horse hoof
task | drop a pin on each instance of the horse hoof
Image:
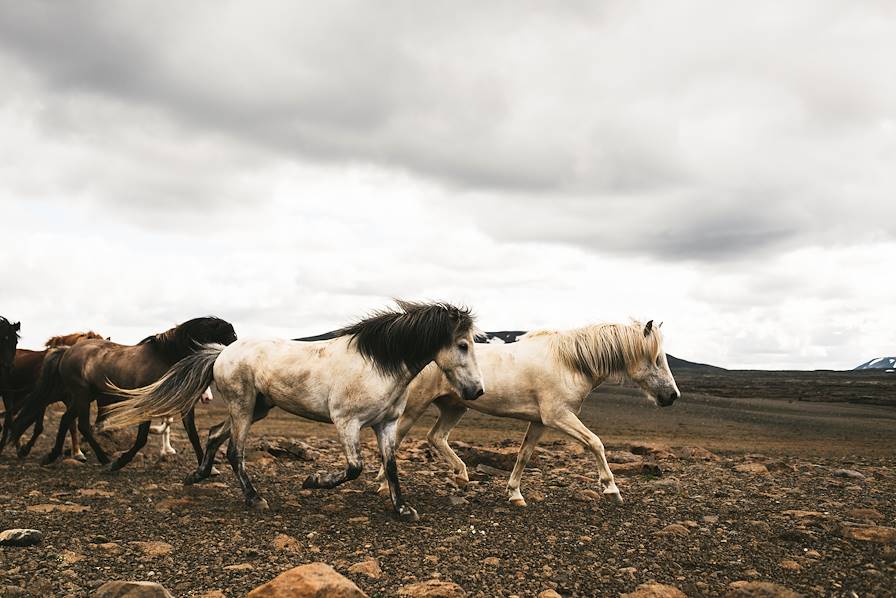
(259, 504)
(215, 471)
(408, 514)
(80, 457)
(191, 479)
(383, 488)
(518, 502)
(615, 497)
(311, 482)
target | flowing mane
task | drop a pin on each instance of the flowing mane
(409, 337)
(67, 340)
(182, 340)
(601, 350)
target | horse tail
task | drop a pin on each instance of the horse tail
(175, 393)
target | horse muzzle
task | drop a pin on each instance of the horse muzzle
(473, 393)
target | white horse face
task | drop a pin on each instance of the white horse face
(458, 362)
(653, 375)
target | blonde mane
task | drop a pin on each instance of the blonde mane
(67, 340)
(602, 350)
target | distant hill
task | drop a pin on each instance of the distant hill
(881, 363)
(676, 364)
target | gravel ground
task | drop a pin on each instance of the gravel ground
(699, 526)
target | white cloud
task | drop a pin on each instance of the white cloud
(726, 169)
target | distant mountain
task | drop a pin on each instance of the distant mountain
(881, 363)
(676, 364)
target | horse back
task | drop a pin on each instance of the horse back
(90, 363)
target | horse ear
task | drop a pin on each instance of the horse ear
(108, 338)
(17, 326)
(648, 328)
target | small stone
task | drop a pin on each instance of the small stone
(491, 471)
(70, 558)
(753, 468)
(696, 453)
(359, 520)
(848, 473)
(865, 515)
(549, 594)
(369, 567)
(21, 537)
(536, 496)
(433, 588)
(758, 589)
(655, 590)
(239, 567)
(622, 457)
(154, 549)
(673, 529)
(456, 501)
(287, 543)
(790, 565)
(710, 519)
(491, 561)
(310, 581)
(131, 589)
(587, 495)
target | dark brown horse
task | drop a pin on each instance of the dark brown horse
(85, 370)
(9, 338)
(21, 382)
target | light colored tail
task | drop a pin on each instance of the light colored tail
(175, 393)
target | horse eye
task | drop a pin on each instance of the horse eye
(463, 347)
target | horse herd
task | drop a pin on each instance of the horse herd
(382, 371)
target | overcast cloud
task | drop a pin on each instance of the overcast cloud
(725, 167)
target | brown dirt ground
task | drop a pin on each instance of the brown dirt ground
(735, 526)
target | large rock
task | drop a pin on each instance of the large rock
(870, 533)
(752, 468)
(433, 588)
(759, 589)
(131, 589)
(655, 590)
(20, 537)
(314, 580)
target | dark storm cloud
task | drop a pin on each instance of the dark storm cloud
(685, 131)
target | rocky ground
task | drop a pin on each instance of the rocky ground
(703, 510)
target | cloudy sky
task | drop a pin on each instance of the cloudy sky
(729, 168)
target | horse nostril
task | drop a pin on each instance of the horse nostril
(479, 392)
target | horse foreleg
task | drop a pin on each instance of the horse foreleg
(533, 434)
(412, 413)
(128, 456)
(385, 438)
(568, 423)
(450, 414)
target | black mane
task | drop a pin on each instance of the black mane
(410, 337)
(182, 340)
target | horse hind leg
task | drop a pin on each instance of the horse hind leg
(350, 437)
(527, 448)
(240, 422)
(450, 413)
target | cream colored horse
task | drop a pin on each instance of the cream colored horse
(544, 379)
